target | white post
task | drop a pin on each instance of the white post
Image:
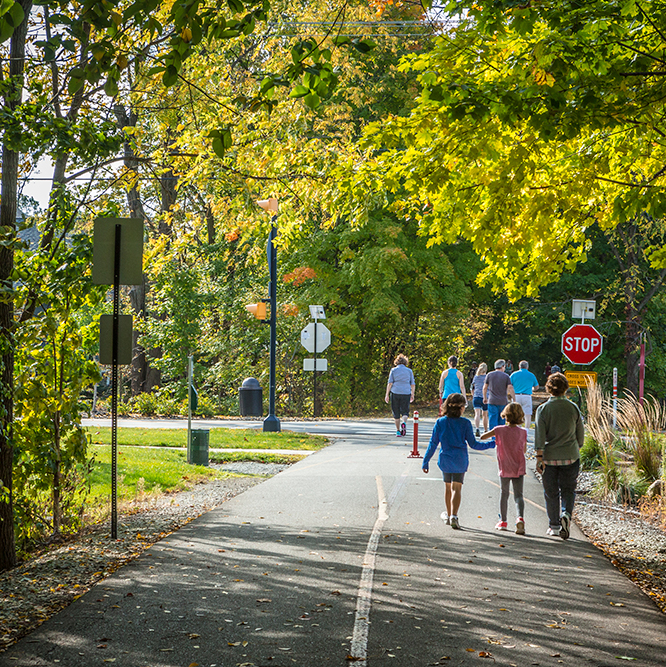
(615, 398)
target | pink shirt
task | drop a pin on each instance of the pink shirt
(510, 445)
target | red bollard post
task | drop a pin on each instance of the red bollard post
(415, 449)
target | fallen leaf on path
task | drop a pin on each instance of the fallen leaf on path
(193, 635)
(624, 657)
(194, 664)
(485, 654)
(555, 655)
(352, 658)
(471, 650)
(336, 593)
(264, 600)
(233, 643)
(617, 604)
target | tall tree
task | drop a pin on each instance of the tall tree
(534, 121)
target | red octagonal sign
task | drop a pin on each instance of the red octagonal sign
(582, 344)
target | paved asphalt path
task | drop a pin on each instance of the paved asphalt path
(345, 555)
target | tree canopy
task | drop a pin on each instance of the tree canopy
(534, 121)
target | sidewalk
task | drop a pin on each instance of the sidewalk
(345, 555)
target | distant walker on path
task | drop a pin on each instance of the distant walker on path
(497, 392)
(451, 381)
(400, 387)
(524, 382)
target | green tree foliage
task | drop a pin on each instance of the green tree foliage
(534, 121)
(386, 291)
(83, 54)
(54, 362)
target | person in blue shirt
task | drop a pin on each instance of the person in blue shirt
(400, 388)
(453, 434)
(524, 382)
(451, 381)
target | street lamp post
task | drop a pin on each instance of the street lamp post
(272, 423)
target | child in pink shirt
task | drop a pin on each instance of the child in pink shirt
(511, 445)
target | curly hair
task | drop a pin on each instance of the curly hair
(514, 413)
(401, 359)
(453, 406)
(557, 384)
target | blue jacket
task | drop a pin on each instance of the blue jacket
(454, 435)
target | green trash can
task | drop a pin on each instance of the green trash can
(198, 452)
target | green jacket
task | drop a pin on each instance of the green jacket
(558, 430)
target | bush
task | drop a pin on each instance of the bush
(590, 454)
(145, 404)
(166, 405)
(206, 406)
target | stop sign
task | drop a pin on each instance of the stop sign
(581, 344)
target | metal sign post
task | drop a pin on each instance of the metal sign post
(190, 369)
(272, 423)
(117, 259)
(315, 338)
(114, 385)
(615, 398)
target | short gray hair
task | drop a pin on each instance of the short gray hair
(523, 364)
(499, 363)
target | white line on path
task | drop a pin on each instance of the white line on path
(359, 643)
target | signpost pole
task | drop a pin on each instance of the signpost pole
(615, 398)
(190, 369)
(314, 390)
(641, 371)
(272, 423)
(114, 385)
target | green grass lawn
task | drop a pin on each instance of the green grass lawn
(160, 470)
(219, 438)
(145, 471)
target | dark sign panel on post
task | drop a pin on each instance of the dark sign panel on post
(131, 251)
(124, 340)
(117, 260)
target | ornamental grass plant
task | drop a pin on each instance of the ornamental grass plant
(642, 424)
(603, 440)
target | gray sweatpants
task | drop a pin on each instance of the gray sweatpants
(517, 496)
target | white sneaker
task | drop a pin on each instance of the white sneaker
(553, 532)
(445, 518)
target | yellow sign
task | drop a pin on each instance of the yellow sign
(580, 378)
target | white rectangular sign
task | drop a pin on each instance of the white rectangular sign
(309, 364)
(583, 309)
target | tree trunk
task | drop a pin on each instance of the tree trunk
(8, 194)
(632, 338)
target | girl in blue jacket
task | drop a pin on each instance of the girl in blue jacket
(453, 433)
